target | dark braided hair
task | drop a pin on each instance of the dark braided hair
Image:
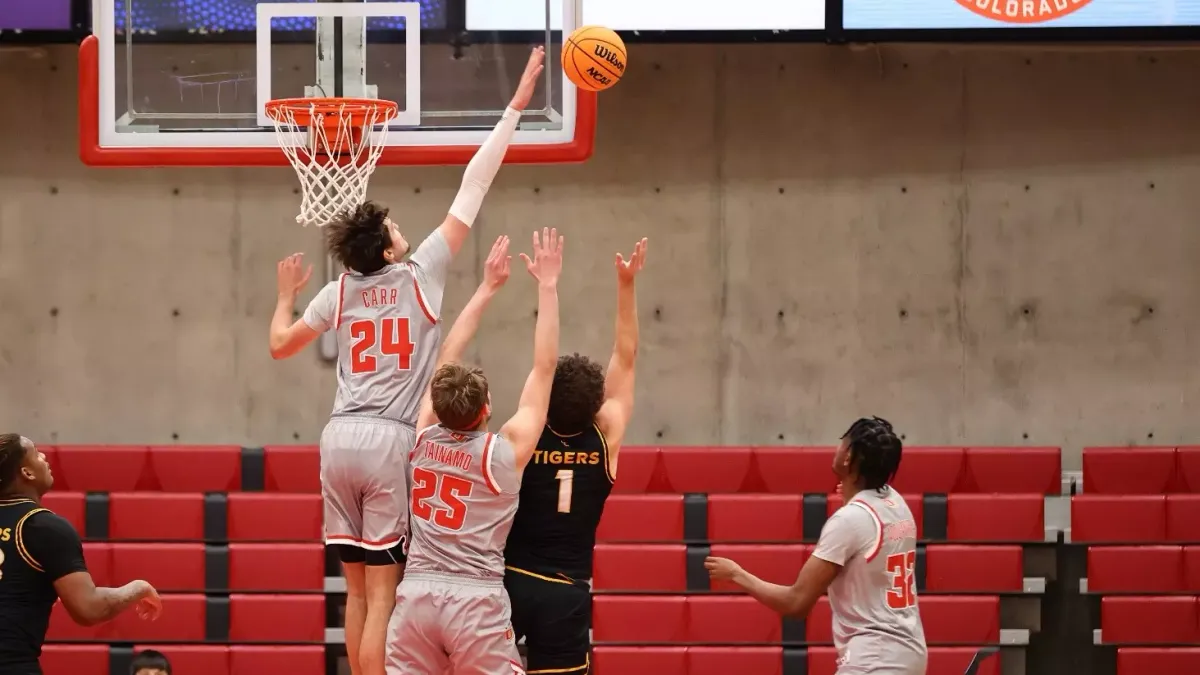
(874, 450)
(12, 457)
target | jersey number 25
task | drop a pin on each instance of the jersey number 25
(903, 593)
(453, 512)
(390, 334)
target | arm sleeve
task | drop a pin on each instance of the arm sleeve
(431, 264)
(322, 311)
(52, 544)
(849, 532)
(502, 472)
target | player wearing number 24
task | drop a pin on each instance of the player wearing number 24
(864, 559)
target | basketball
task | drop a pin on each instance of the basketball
(593, 57)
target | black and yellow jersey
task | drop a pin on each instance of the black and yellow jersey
(562, 498)
(37, 547)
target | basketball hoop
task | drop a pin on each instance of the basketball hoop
(334, 145)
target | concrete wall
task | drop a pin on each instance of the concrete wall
(988, 246)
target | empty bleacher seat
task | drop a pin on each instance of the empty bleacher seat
(640, 567)
(640, 660)
(726, 660)
(292, 468)
(706, 469)
(182, 620)
(1140, 470)
(197, 468)
(637, 467)
(103, 468)
(192, 659)
(75, 659)
(1154, 661)
(929, 470)
(168, 567)
(1168, 619)
(1191, 568)
(777, 518)
(995, 518)
(70, 505)
(776, 563)
(1188, 468)
(1183, 518)
(275, 517)
(642, 518)
(290, 659)
(1118, 518)
(731, 618)
(277, 618)
(156, 516)
(957, 568)
(639, 618)
(1138, 569)
(796, 471)
(1013, 470)
(915, 502)
(98, 557)
(697, 660)
(276, 567)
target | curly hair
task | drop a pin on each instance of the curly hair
(875, 451)
(357, 238)
(459, 394)
(577, 394)
(12, 458)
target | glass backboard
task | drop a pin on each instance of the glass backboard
(184, 82)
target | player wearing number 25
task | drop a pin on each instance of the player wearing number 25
(864, 558)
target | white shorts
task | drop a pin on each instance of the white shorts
(364, 481)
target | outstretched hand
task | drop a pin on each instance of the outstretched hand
(496, 267)
(290, 274)
(149, 605)
(628, 269)
(546, 265)
(529, 79)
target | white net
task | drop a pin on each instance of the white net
(334, 147)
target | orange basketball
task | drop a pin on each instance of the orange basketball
(593, 57)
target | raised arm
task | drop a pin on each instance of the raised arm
(617, 409)
(288, 337)
(481, 170)
(495, 273)
(525, 427)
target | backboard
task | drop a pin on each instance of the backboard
(184, 82)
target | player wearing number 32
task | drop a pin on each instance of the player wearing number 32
(385, 312)
(864, 558)
(452, 613)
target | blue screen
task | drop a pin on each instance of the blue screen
(238, 15)
(867, 14)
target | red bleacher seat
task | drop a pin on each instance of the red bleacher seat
(75, 659)
(796, 471)
(197, 468)
(970, 619)
(275, 517)
(706, 469)
(1188, 468)
(929, 470)
(168, 567)
(942, 661)
(290, 659)
(637, 469)
(1013, 470)
(292, 468)
(1152, 661)
(1118, 518)
(70, 505)
(1183, 518)
(818, 625)
(639, 618)
(192, 659)
(98, 557)
(1142, 470)
(1191, 568)
(63, 629)
(277, 618)
(640, 567)
(778, 563)
(104, 468)
(276, 567)
(916, 505)
(726, 660)
(954, 568)
(1144, 569)
(731, 618)
(777, 518)
(1168, 619)
(640, 660)
(156, 516)
(642, 518)
(1007, 518)
(182, 620)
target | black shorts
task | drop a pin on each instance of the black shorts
(554, 616)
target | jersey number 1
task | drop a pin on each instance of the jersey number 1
(395, 341)
(903, 593)
(453, 513)
(566, 486)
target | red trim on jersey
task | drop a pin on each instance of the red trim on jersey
(337, 321)
(487, 464)
(878, 531)
(395, 539)
(421, 301)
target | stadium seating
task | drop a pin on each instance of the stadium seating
(1141, 470)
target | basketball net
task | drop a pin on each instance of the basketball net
(334, 146)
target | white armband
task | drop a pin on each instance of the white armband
(483, 167)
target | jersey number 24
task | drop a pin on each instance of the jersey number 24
(390, 334)
(903, 593)
(449, 489)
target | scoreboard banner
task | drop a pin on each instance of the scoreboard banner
(653, 15)
(1028, 14)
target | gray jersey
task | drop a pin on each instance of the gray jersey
(464, 497)
(387, 332)
(874, 598)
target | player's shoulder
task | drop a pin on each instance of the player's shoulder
(44, 524)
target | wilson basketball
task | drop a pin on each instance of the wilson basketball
(593, 57)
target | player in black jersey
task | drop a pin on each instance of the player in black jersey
(41, 560)
(549, 551)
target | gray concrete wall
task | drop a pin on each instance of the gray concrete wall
(988, 246)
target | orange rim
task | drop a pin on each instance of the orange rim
(332, 110)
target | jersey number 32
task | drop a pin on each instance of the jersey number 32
(903, 593)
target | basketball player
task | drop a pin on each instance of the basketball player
(864, 558)
(452, 613)
(549, 551)
(385, 313)
(41, 560)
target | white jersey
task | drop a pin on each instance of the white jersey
(876, 620)
(387, 332)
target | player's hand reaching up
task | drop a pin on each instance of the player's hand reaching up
(529, 79)
(149, 605)
(495, 268)
(628, 269)
(722, 569)
(546, 265)
(291, 275)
